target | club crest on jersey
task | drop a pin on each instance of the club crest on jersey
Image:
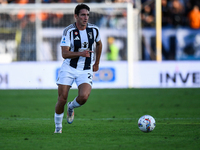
(85, 45)
(76, 33)
(90, 35)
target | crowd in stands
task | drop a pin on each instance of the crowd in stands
(175, 13)
(49, 1)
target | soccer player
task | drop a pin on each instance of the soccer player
(77, 44)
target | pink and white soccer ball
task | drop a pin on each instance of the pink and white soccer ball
(146, 123)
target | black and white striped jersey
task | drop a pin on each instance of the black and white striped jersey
(79, 40)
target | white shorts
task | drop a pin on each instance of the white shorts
(68, 75)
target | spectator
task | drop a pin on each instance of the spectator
(22, 1)
(113, 50)
(177, 13)
(165, 13)
(3, 1)
(147, 17)
(194, 18)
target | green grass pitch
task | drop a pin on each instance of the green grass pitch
(108, 121)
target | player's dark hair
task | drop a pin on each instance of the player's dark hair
(79, 7)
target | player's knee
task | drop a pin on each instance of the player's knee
(62, 100)
(83, 99)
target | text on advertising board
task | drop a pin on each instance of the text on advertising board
(3, 79)
(102, 75)
(193, 77)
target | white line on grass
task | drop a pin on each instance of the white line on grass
(87, 119)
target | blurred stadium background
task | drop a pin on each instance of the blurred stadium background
(146, 43)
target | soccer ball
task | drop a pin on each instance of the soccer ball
(146, 123)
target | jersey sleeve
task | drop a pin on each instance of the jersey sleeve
(65, 41)
(98, 36)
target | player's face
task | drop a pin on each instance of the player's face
(82, 17)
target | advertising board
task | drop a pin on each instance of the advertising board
(111, 74)
(43, 75)
(168, 74)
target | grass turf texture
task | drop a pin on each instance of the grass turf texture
(107, 121)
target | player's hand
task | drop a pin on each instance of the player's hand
(86, 53)
(95, 67)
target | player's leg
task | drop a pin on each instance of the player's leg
(83, 94)
(84, 83)
(65, 80)
(63, 91)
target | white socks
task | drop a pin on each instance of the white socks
(74, 104)
(58, 118)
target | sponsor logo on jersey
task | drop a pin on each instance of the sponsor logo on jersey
(85, 45)
(76, 38)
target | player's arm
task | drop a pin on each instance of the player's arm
(66, 53)
(98, 55)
